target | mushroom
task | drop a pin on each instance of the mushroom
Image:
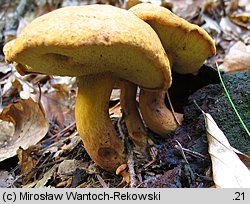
(123, 171)
(132, 117)
(187, 46)
(100, 45)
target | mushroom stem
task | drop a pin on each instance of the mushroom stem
(94, 124)
(136, 130)
(155, 113)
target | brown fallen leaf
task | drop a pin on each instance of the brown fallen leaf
(57, 105)
(242, 19)
(27, 161)
(116, 111)
(237, 59)
(46, 177)
(29, 123)
(228, 170)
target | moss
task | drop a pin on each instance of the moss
(238, 86)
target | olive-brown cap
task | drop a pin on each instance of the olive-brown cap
(187, 44)
(76, 41)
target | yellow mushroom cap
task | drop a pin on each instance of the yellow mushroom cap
(187, 44)
(83, 40)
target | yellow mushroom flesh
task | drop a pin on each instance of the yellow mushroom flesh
(93, 122)
(132, 117)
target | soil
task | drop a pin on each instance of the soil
(205, 89)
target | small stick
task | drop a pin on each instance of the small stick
(39, 102)
(72, 125)
(35, 169)
(182, 152)
(172, 109)
(131, 169)
(119, 125)
(102, 182)
(195, 154)
(223, 8)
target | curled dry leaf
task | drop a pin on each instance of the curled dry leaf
(228, 170)
(29, 123)
(237, 59)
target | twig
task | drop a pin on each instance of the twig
(182, 152)
(223, 8)
(35, 169)
(172, 109)
(193, 153)
(119, 125)
(131, 169)
(62, 132)
(195, 103)
(39, 102)
(102, 182)
(6, 76)
(206, 178)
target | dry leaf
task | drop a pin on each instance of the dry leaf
(46, 177)
(57, 105)
(116, 111)
(13, 85)
(28, 161)
(115, 95)
(228, 26)
(210, 24)
(228, 170)
(237, 59)
(244, 158)
(245, 4)
(68, 167)
(4, 68)
(30, 127)
(242, 19)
